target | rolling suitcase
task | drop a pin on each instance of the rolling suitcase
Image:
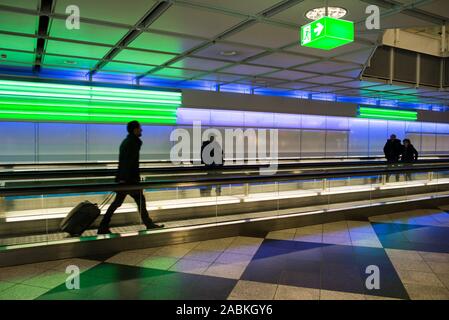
(81, 217)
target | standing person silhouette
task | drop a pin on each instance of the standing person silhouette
(409, 155)
(129, 173)
(393, 151)
(212, 161)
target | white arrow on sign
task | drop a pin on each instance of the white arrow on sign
(319, 28)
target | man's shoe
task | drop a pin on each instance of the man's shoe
(104, 231)
(154, 226)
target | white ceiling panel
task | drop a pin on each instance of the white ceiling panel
(25, 4)
(188, 21)
(326, 80)
(245, 69)
(257, 35)
(87, 32)
(245, 6)
(107, 10)
(163, 42)
(200, 64)
(282, 60)
(360, 57)
(215, 51)
(296, 85)
(17, 22)
(291, 75)
(177, 73)
(355, 73)
(359, 84)
(136, 56)
(326, 67)
(221, 77)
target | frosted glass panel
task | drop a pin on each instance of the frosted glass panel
(336, 144)
(17, 141)
(156, 143)
(397, 128)
(378, 136)
(289, 143)
(227, 118)
(287, 121)
(415, 139)
(413, 127)
(62, 142)
(313, 143)
(188, 116)
(313, 122)
(442, 128)
(104, 141)
(428, 143)
(259, 119)
(337, 123)
(358, 138)
(428, 127)
(442, 144)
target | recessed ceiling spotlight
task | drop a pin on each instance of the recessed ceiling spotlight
(333, 12)
(228, 53)
(260, 82)
(3, 56)
(71, 62)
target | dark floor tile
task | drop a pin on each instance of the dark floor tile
(347, 281)
(300, 279)
(189, 287)
(116, 272)
(315, 254)
(120, 290)
(100, 257)
(338, 253)
(391, 228)
(259, 271)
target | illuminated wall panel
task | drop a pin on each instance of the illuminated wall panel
(49, 102)
(387, 114)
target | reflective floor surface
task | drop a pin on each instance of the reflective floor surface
(328, 261)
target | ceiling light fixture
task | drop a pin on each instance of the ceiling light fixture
(333, 12)
(228, 53)
(3, 56)
(71, 62)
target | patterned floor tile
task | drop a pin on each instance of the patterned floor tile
(22, 292)
(190, 266)
(127, 258)
(420, 278)
(5, 285)
(48, 279)
(336, 295)
(296, 293)
(228, 271)
(249, 290)
(423, 292)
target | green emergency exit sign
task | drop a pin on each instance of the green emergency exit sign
(327, 33)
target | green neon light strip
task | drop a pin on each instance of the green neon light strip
(387, 114)
(36, 101)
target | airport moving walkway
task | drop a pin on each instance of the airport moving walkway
(33, 203)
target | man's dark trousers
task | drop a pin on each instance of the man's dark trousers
(138, 197)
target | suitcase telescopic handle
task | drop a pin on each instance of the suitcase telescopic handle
(105, 201)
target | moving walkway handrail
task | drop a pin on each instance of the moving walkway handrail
(214, 180)
(97, 173)
(108, 163)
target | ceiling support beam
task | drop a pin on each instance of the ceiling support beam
(150, 17)
(45, 11)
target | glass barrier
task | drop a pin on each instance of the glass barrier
(201, 199)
